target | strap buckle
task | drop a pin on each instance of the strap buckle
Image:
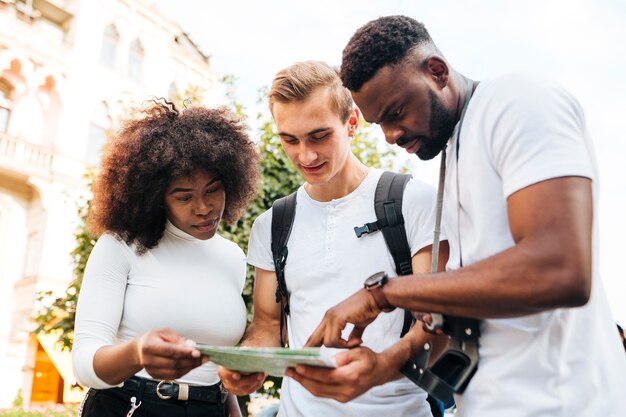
(369, 228)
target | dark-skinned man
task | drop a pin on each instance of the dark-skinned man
(520, 190)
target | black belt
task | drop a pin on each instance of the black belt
(183, 392)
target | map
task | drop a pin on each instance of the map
(272, 361)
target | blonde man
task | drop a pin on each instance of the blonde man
(316, 121)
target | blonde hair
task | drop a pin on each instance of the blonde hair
(298, 81)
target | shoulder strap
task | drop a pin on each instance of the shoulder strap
(388, 204)
(388, 207)
(283, 213)
(390, 221)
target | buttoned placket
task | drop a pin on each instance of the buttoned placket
(331, 230)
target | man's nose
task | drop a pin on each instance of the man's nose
(308, 155)
(392, 133)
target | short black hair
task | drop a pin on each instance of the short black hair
(383, 41)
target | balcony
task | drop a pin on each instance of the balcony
(24, 157)
(57, 11)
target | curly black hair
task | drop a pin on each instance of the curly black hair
(384, 41)
(148, 153)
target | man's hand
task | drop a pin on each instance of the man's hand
(167, 355)
(240, 384)
(427, 320)
(359, 309)
(357, 371)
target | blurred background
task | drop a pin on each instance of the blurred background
(70, 70)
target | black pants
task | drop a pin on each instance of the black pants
(116, 402)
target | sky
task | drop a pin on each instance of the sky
(580, 44)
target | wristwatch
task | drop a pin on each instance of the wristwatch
(374, 285)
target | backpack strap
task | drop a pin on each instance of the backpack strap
(389, 220)
(283, 213)
(388, 206)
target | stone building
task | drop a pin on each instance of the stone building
(69, 69)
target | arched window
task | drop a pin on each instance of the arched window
(98, 128)
(5, 104)
(110, 39)
(50, 101)
(135, 61)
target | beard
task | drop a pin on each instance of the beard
(441, 127)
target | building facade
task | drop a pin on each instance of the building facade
(69, 69)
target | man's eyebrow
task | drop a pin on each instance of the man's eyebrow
(312, 132)
(320, 130)
(286, 134)
(384, 114)
(186, 190)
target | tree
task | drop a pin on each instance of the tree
(56, 315)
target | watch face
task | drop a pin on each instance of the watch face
(376, 279)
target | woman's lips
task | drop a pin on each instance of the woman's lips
(208, 225)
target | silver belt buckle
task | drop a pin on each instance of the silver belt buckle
(161, 396)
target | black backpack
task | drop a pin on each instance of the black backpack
(389, 220)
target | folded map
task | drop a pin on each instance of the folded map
(272, 361)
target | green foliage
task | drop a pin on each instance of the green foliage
(367, 148)
(279, 178)
(56, 315)
(228, 81)
(59, 410)
(18, 401)
(193, 94)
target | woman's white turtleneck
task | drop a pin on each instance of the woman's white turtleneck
(189, 285)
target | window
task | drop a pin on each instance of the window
(98, 128)
(135, 61)
(110, 39)
(5, 105)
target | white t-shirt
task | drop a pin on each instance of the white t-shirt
(189, 285)
(561, 363)
(326, 264)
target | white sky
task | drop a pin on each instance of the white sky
(581, 44)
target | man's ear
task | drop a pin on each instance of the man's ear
(353, 121)
(437, 69)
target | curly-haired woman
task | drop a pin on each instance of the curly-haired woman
(159, 275)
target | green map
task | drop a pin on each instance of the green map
(272, 361)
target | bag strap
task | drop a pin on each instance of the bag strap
(388, 208)
(390, 221)
(388, 205)
(283, 213)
